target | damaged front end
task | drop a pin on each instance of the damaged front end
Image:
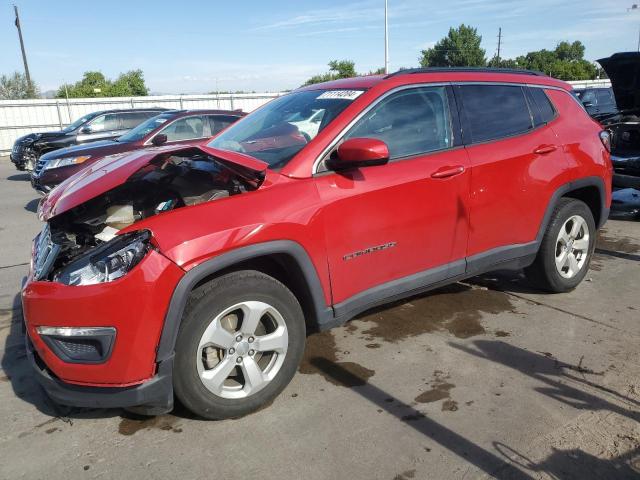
(81, 243)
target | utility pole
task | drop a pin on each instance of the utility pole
(24, 54)
(386, 40)
(499, 43)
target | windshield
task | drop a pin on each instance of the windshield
(77, 123)
(145, 128)
(278, 131)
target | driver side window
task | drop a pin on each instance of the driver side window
(104, 123)
(410, 122)
(187, 128)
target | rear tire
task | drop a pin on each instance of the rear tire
(240, 342)
(566, 249)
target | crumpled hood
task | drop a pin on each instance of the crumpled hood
(624, 71)
(114, 170)
(32, 137)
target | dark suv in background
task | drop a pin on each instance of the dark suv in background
(597, 101)
(89, 128)
(175, 126)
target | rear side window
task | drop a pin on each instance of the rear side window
(220, 122)
(495, 111)
(546, 112)
(604, 97)
(133, 119)
(410, 122)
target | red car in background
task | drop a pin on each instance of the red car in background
(170, 127)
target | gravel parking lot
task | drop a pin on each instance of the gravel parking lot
(482, 379)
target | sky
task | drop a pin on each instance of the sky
(197, 47)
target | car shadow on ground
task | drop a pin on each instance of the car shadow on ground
(32, 205)
(18, 177)
(505, 462)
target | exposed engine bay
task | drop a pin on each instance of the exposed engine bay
(625, 134)
(168, 182)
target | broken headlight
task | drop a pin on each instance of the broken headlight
(108, 262)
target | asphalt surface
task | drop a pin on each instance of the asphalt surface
(483, 379)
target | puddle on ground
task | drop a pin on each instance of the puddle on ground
(320, 357)
(457, 308)
(620, 244)
(132, 425)
(440, 390)
(449, 406)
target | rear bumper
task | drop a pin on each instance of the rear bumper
(155, 396)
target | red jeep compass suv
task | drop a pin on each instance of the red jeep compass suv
(196, 271)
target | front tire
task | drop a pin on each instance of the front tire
(240, 342)
(567, 246)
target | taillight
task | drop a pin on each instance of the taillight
(605, 138)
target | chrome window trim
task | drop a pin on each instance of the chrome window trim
(343, 132)
(329, 147)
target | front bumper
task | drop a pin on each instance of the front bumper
(152, 397)
(135, 305)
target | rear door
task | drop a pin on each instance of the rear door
(389, 222)
(514, 156)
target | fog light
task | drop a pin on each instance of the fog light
(79, 344)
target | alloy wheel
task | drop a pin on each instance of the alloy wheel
(572, 246)
(242, 349)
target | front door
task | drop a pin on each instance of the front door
(407, 218)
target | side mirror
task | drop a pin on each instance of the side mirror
(159, 139)
(359, 152)
(86, 129)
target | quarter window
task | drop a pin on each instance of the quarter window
(495, 111)
(541, 101)
(410, 122)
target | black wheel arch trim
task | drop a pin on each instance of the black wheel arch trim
(568, 188)
(187, 283)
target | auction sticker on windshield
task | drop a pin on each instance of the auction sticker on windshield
(341, 94)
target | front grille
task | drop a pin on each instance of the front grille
(39, 167)
(17, 150)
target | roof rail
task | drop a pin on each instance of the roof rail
(516, 71)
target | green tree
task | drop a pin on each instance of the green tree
(95, 84)
(16, 87)
(460, 48)
(337, 69)
(565, 62)
(130, 84)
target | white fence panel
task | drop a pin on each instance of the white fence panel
(605, 82)
(20, 117)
